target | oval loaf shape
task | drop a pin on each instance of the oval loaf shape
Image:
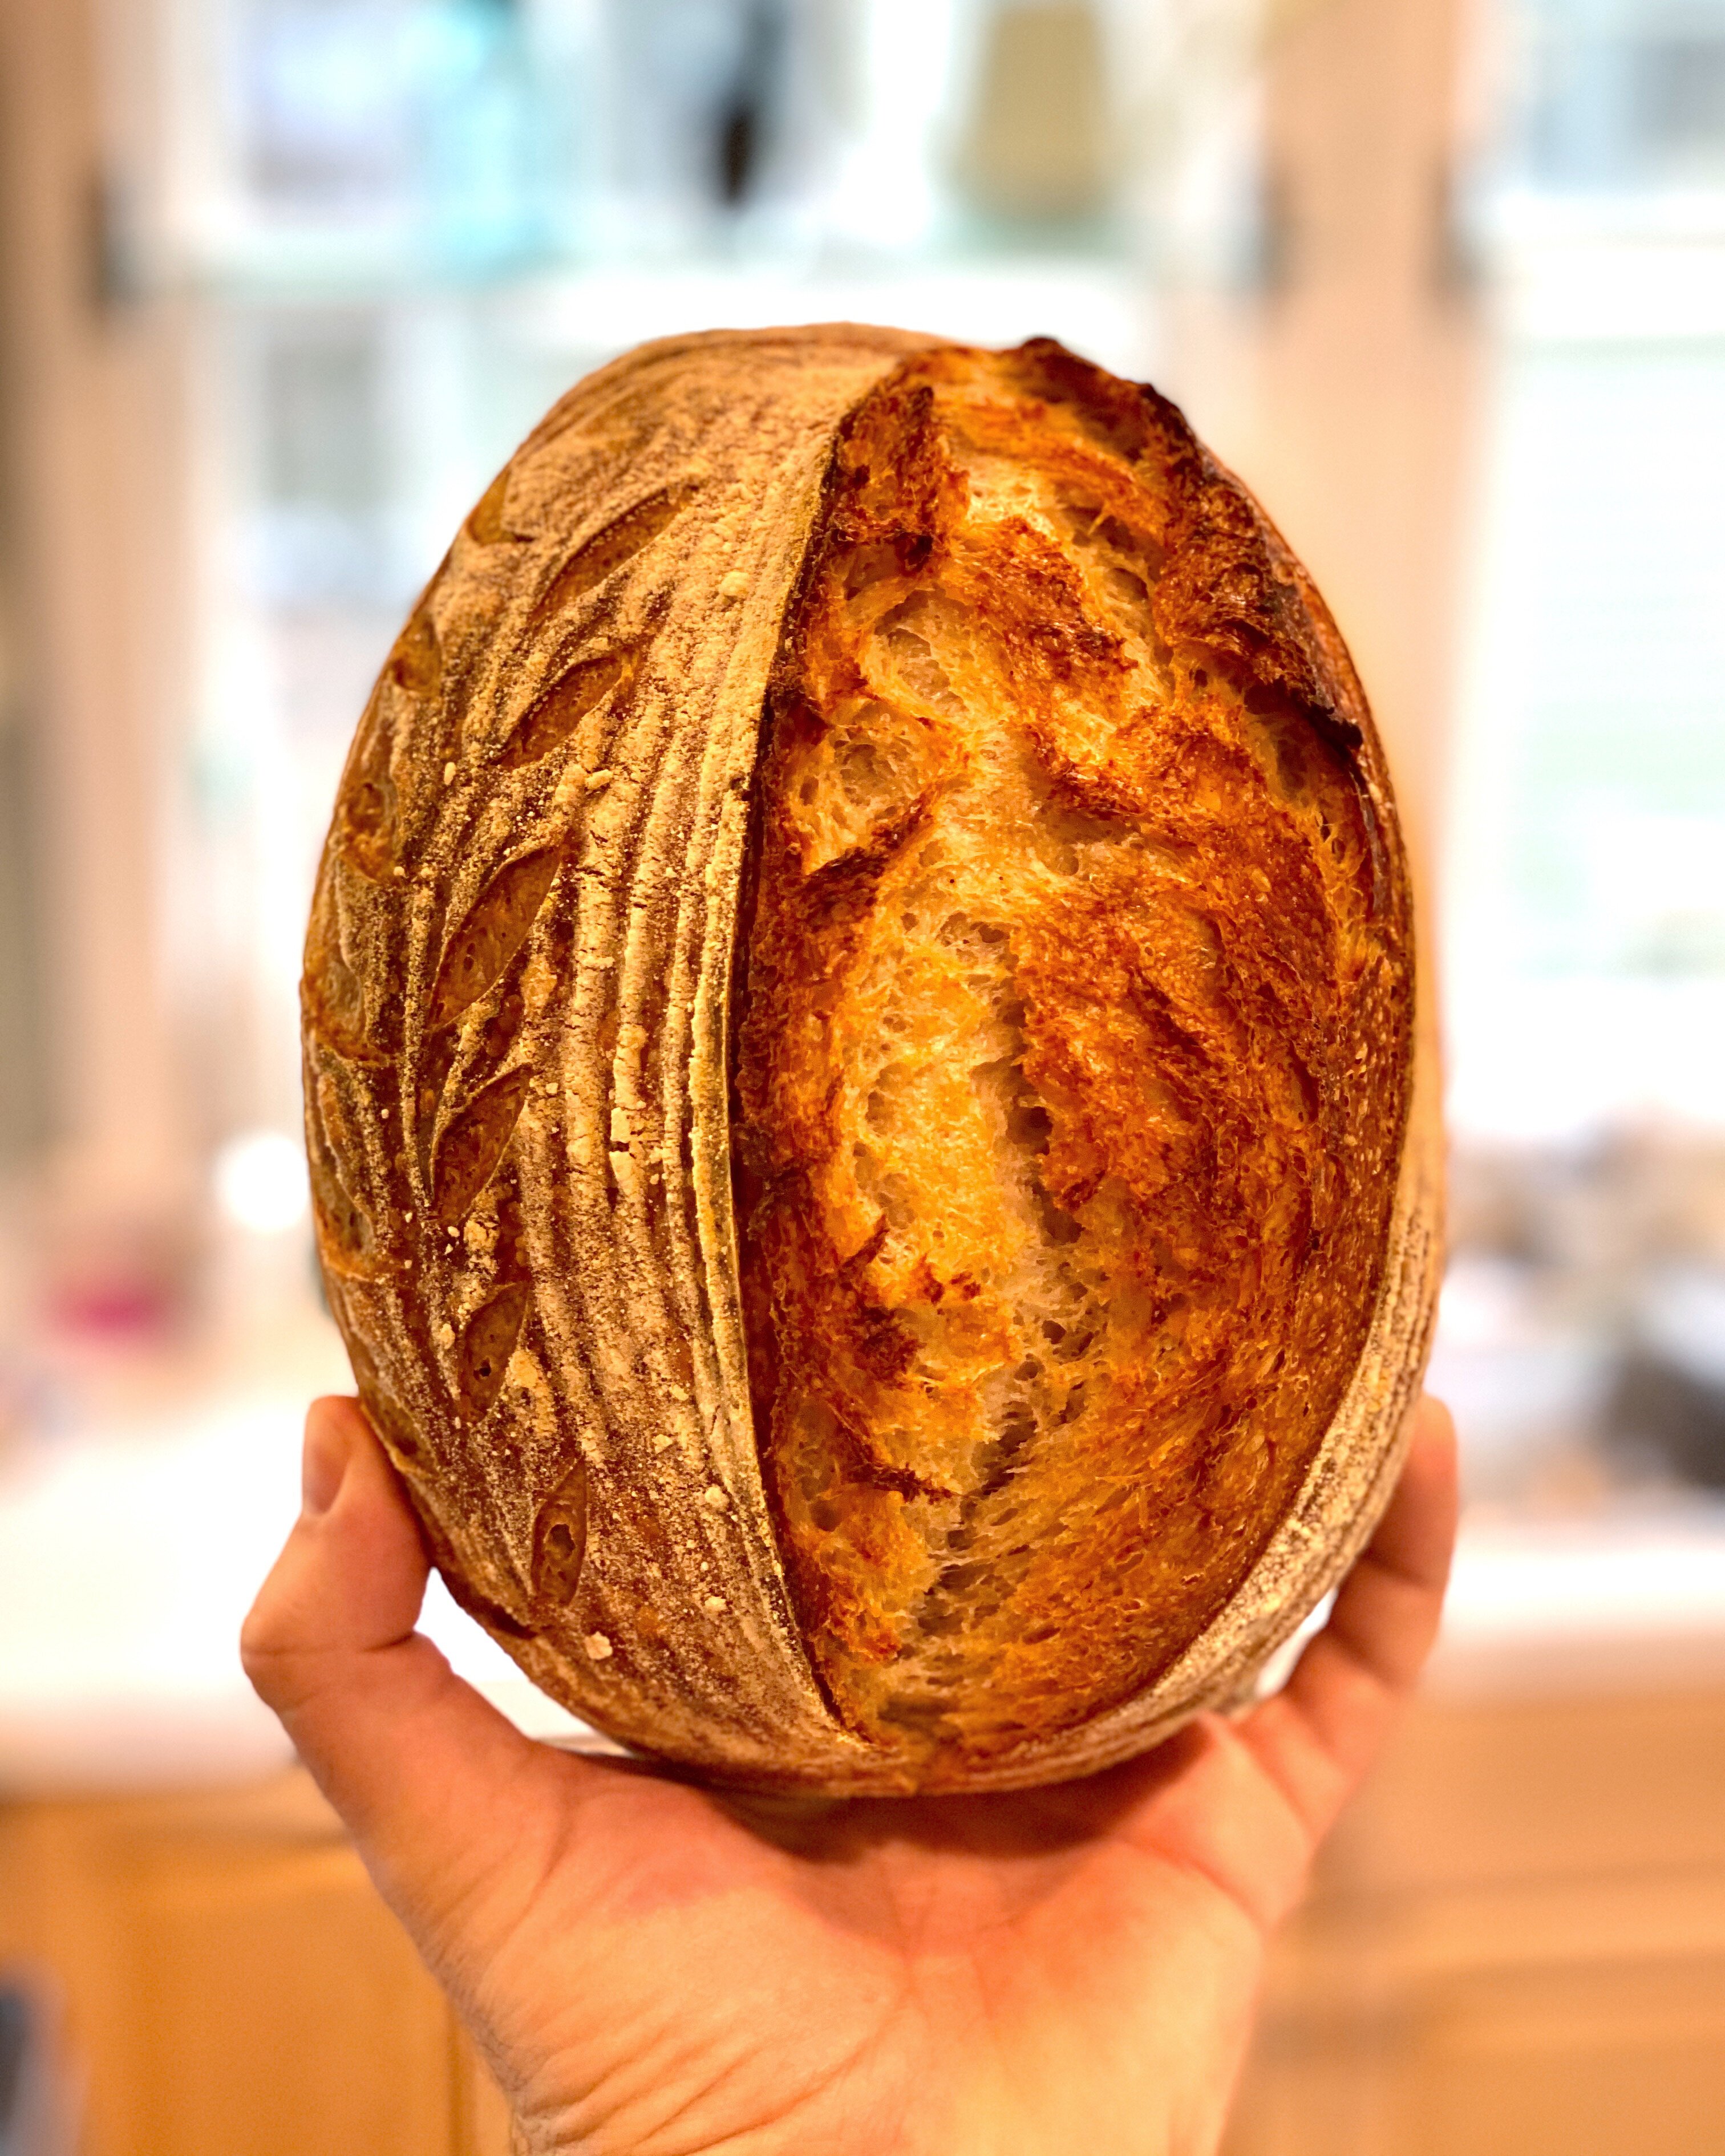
(893, 1171)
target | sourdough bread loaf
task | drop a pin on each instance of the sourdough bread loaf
(869, 1125)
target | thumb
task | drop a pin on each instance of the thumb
(351, 1577)
(413, 1758)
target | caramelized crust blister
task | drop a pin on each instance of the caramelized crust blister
(1049, 1362)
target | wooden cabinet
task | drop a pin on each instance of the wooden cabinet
(230, 1983)
(1516, 1947)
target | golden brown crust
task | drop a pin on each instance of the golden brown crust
(519, 1107)
(1074, 1054)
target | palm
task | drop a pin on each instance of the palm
(815, 1975)
(652, 1969)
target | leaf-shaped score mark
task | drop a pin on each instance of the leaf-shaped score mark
(332, 1000)
(473, 1144)
(416, 662)
(486, 1347)
(560, 1539)
(487, 525)
(347, 1235)
(625, 536)
(367, 829)
(391, 1423)
(348, 1244)
(492, 933)
(366, 807)
(565, 704)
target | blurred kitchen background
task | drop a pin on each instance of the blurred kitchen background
(282, 282)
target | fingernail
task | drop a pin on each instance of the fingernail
(324, 1461)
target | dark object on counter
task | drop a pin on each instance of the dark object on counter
(1679, 1415)
(14, 2043)
(32, 2122)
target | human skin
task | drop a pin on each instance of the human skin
(654, 1968)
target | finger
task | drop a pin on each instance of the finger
(422, 1768)
(1319, 1736)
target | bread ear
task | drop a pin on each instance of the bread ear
(1073, 1057)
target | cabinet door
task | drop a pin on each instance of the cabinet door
(281, 2008)
(233, 1986)
(1516, 1946)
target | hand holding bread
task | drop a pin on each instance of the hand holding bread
(651, 1966)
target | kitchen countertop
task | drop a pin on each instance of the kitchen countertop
(132, 1537)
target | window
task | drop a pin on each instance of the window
(1585, 910)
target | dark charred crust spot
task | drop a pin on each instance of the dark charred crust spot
(884, 1346)
(843, 890)
(860, 1462)
(906, 492)
(1114, 412)
(867, 1253)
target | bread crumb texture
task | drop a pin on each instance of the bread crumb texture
(856, 1020)
(1074, 1054)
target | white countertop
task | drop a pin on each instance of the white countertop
(131, 1548)
(131, 1543)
